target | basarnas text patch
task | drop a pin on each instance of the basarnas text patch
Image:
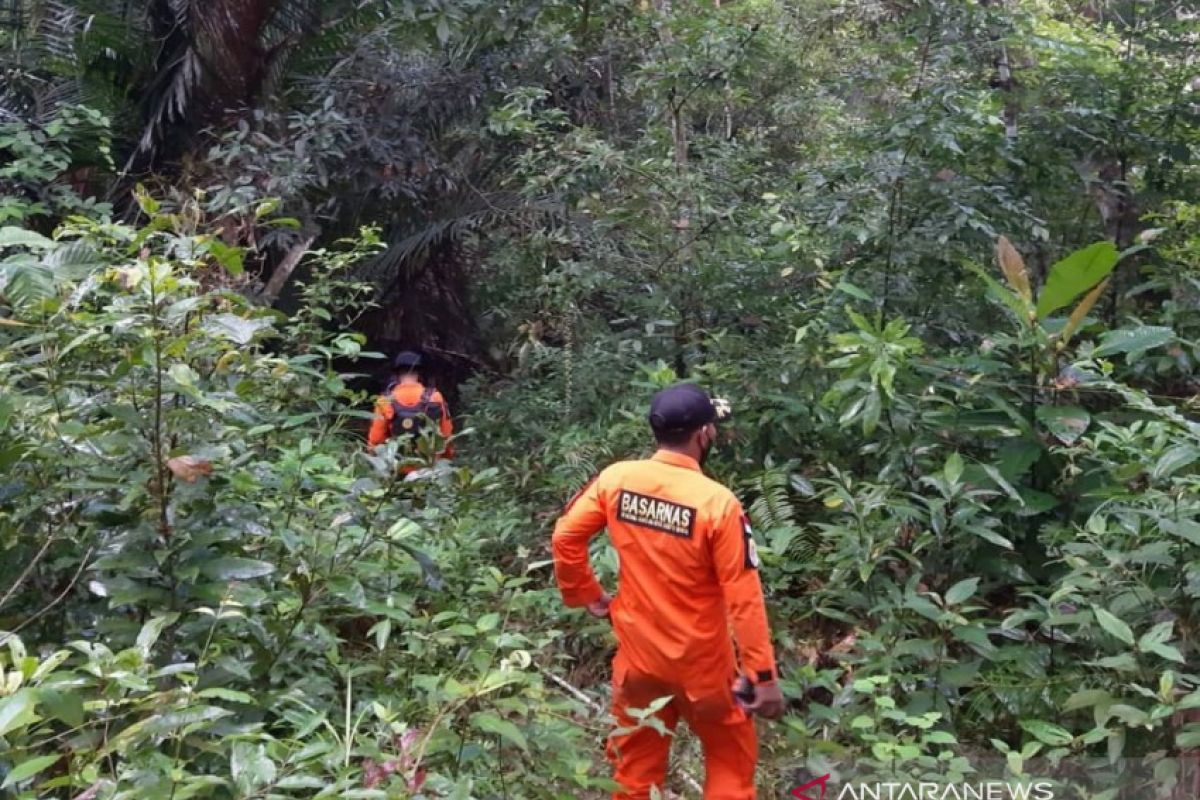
(653, 512)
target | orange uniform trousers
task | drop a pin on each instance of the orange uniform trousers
(639, 757)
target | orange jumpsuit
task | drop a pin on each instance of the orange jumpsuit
(688, 574)
(407, 394)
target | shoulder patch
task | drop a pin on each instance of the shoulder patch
(750, 560)
(654, 512)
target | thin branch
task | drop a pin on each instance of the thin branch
(46, 610)
(28, 569)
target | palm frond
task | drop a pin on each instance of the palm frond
(409, 254)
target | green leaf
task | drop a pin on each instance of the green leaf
(1188, 738)
(1133, 340)
(230, 695)
(1111, 623)
(1086, 698)
(230, 258)
(16, 710)
(230, 568)
(1156, 635)
(953, 469)
(250, 766)
(1123, 662)
(63, 705)
(1067, 423)
(1047, 732)
(1075, 274)
(961, 591)
(19, 237)
(1174, 459)
(1185, 529)
(27, 769)
(490, 723)
(1009, 299)
(852, 290)
(239, 330)
(429, 567)
(153, 629)
(1167, 651)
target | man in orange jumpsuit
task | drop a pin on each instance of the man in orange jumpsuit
(407, 405)
(689, 574)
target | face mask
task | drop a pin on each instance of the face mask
(706, 448)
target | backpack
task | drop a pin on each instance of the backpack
(411, 420)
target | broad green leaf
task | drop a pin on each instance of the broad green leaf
(65, 705)
(1166, 651)
(250, 766)
(1129, 715)
(19, 237)
(231, 568)
(1111, 623)
(1075, 274)
(17, 710)
(1188, 738)
(230, 695)
(1066, 423)
(27, 769)
(1047, 732)
(230, 258)
(197, 716)
(239, 330)
(953, 469)
(852, 290)
(1086, 698)
(1174, 459)
(1156, 635)
(961, 591)
(300, 782)
(1133, 340)
(152, 629)
(490, 723)
(429, 567)
(1123, 662)
(1186, 529)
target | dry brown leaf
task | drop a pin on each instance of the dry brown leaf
(845, 644)
(1081, 311)
(129, 277)
(1013, 267)
(189, 469)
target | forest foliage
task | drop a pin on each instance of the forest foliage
(943, 256)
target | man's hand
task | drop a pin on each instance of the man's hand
(768, 701)
(599, 608)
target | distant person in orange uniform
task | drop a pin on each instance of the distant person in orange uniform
(407, 406)
(689, 575)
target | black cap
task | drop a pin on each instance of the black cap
(407, 359)
(682, 407)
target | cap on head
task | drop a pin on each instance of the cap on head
(682, 408)
(407, 359)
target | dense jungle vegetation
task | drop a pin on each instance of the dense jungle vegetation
(943, 256)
